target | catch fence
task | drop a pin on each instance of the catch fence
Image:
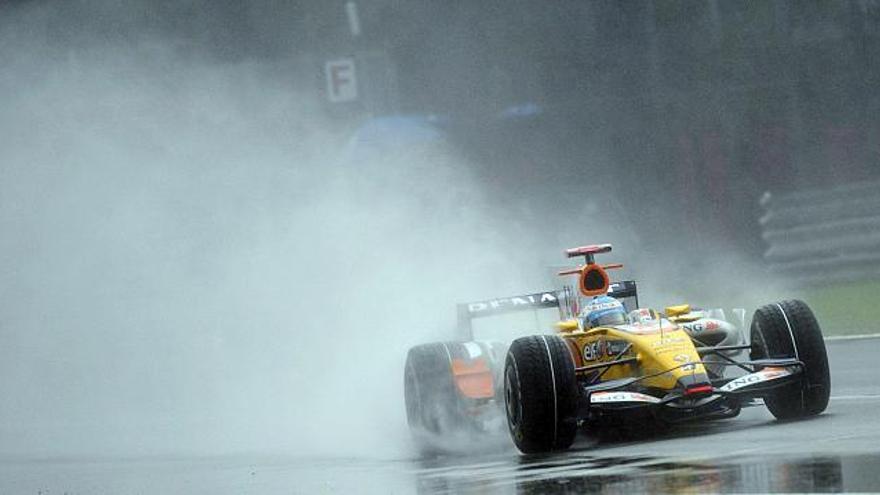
(824, 235)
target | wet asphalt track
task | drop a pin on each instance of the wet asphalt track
(837, 451)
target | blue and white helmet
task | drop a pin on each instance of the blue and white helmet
(603, 311)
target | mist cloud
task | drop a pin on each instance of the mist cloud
(194, 261)
(191, 265)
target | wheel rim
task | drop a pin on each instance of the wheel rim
(510, 399)
(412, 398)
(759, 347)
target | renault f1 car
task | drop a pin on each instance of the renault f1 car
(656, 368)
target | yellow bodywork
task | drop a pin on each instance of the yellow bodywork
(678, 310)
(665, 353)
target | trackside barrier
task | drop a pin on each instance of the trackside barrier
(824, 235)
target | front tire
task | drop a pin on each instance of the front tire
(789, 329)
(540, 391)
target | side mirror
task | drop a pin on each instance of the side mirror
(567, 326)
(681, 309)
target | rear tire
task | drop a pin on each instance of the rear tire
(789, 329)
(540, 391)
(434, 408)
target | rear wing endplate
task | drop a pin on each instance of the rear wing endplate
(624, 289)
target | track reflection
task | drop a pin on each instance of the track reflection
(579, 473)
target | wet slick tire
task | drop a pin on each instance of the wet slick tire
(540, 394)
(788, 329)
(433, 406)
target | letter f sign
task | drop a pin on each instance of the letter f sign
(341, 80)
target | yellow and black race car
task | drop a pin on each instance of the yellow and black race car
(642, 370)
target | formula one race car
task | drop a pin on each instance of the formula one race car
(655, 366)
(647, 370)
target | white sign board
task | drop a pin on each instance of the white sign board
(341, 80)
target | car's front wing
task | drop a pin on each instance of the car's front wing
(731, 392)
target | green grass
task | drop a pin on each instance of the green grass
(849, 309)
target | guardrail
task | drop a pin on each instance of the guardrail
(824, 235)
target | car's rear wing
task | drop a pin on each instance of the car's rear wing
(565, 299)
(627, 292)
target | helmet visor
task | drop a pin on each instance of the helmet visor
(613, 317)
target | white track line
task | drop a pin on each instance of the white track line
(854, 337)
(856, 397)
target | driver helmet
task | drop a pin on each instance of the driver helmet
(603, 311)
